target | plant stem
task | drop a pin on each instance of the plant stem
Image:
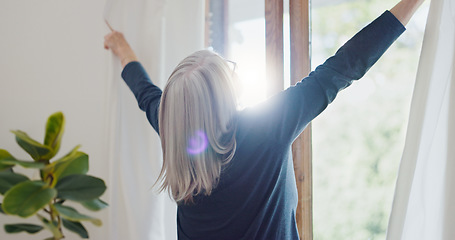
(59, 219)
(57, 234)
(59, 223)
(51, 212)
(54, 217)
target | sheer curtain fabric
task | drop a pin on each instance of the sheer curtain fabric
(161, 33)
(423, 207)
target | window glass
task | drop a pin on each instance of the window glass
(246, 46)
(359, 138)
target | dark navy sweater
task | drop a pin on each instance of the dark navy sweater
(256, 197)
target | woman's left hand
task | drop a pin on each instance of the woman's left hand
(404, 10)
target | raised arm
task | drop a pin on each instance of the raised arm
(147, 94)
(288, 113)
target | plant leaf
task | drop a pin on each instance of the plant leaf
(27, 198)
(95, 205)
(73, 151)
(5, 155)
(7, 160)
(71, 214)
(54, 131)
(36, 150)
(9, 179)
(52, 226)
(1, 209)
(22, 227)
(76, 163)
(49, 169)
(80, 187)
(25, 164)
(75, 227)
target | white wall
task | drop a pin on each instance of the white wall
(52, 59)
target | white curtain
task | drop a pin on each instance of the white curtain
(424, 203)
(161, 33)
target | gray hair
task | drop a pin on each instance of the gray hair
(197, 124)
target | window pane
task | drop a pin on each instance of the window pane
(358, 139)
(246, 38)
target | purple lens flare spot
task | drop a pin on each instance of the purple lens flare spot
(197, 143)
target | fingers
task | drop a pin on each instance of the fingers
(116, 42)
(113, 40)
(107, 41)
(109, 35)
(108, 25)
(114, 35)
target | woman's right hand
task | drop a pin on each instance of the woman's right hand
(120, 47)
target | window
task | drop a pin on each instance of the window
(359, 138)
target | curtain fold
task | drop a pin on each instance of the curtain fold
(161, 33)
(423, 204)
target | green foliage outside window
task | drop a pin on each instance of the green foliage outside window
(359, 139)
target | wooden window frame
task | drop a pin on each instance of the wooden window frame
(299, 14)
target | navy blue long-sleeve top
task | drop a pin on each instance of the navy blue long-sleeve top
(256, 197)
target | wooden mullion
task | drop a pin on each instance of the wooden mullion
(301, 148)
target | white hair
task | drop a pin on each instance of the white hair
(197, 124)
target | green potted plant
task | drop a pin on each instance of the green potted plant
(61, 181)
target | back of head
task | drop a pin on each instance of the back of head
(197, 122)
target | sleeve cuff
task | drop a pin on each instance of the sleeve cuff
(135, 77)
(392, 21)
(130, 66)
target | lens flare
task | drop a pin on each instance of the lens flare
(197, 143)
